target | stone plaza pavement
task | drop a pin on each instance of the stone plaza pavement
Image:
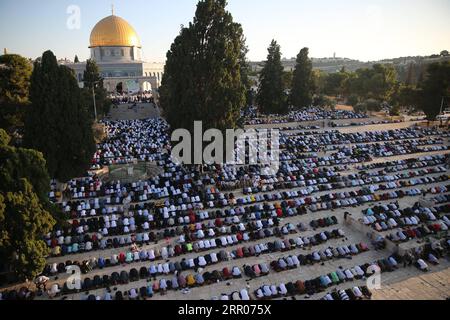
(433, 286)
(141, 111)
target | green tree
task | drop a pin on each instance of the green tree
(23, 224)
(76, 60)
(408, 97)
(58, 124)
(287, 79)
(15, 73)
(374, 83)
(372, 104)
(433, 88)
(323, 101)
(360, 107)
(395, 111)
(25, 212)
(245, 76)
(271, 97)
(352, 100)
(410, 75)
(203, 78)
(92, 79)
(319, 79)
(302, 81)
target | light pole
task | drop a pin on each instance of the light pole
(93, 97)
(95, 104)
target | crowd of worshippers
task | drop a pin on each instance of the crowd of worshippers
(369, 150)
(290, 162)
(362, 123)
(131, 140)
(179, 181)
(354, 293)
(410, 223)
(315, 113)
(169, 267)
(306, 114)
(125, 98)
(418, 257)
(331, 140)
(210, 226)
(430, 252)
(198, 263)
(98, 242)
(170, 215)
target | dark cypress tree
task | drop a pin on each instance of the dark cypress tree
(76, 60)
(204, 69)
(302, 81)
(58, 124)
(271, 97)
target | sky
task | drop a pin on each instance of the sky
(366, 30)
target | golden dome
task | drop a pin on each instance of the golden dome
(114, 31)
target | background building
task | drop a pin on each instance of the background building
(117, 50)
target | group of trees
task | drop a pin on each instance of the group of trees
(46, 112)
(42, 107)
(363, 84)
(366, 89)
(279, 89)
(206, 74)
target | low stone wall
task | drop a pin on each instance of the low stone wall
(371, 234)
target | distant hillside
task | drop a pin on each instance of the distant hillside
(407, 67)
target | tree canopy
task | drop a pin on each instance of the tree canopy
(271, 96)
(58, 124)
(15, 73)
(204, 76)
(24, 217)
(374, 83)
(302, 81)
(434, 89)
